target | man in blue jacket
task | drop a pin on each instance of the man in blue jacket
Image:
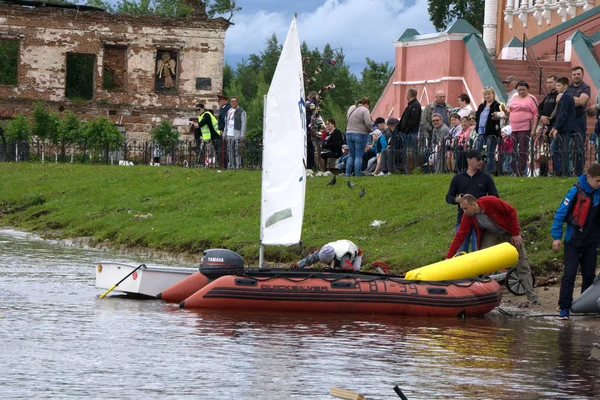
(579, 209)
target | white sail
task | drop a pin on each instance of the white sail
(284, 149)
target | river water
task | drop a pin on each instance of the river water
(60, 341)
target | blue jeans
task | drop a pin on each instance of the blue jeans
(356, 148)
(471, 238)
(479, 142)
(411, 138)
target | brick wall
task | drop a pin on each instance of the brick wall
(131, 47)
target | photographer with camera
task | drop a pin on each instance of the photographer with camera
(206, 130)
(472, 181)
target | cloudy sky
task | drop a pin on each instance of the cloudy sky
(363, 28)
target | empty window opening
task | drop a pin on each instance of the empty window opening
(9, 61)
(114, 67)
(80, 76)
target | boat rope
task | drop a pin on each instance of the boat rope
(362, 278)
(511, 315)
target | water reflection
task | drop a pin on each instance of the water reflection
(60, 340)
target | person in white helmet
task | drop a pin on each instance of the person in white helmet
(341, 254)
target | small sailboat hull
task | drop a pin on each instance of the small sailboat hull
(347, 293)
(589, 301)
(146, 281)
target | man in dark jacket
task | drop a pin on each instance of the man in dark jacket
(411, 117)
(409, 128)
(391, 157)
(547, 113)
(472, 181)
(495, 221)
(564, 125)
(224, 106)
(546, 107)
(581, 93)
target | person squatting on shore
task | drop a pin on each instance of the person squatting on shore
(495, 222)
(579, 209)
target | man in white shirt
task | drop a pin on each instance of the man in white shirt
(235, 131)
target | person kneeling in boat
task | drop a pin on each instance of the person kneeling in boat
(341, 254)
(495, 221)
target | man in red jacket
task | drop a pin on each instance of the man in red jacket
(495, 221)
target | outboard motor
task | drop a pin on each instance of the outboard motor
(220, 262)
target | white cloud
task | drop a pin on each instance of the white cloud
(362, 28)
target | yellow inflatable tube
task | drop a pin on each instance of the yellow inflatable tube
(482, 262)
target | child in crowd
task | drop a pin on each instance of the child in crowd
(455, 130)
(473, 122)
(462, 142)
(506, 149)
(379, 144)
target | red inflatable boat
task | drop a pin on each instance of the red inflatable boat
(221, 285)
(348, 293)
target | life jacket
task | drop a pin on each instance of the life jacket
(580, 208)
(206, 136)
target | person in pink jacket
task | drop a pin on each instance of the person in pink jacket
(522, 114)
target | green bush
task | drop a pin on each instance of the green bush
(19, 129)
(164, 135)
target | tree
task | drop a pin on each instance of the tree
(220, 7)
(102, 135)
(442, 13)
(18, 131)
(228, 76)
(269, 58)
(45, 125)
(246, 77)
(374, 77)
(168, 8)
(70, 131)
(164, 136)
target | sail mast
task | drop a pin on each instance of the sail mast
(284, 150)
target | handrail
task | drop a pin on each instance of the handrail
(570, 31)
(534, 65)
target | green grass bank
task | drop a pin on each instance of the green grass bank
(188, 210)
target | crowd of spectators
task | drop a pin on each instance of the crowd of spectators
(523, 137)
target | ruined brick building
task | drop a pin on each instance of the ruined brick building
(135, 70)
